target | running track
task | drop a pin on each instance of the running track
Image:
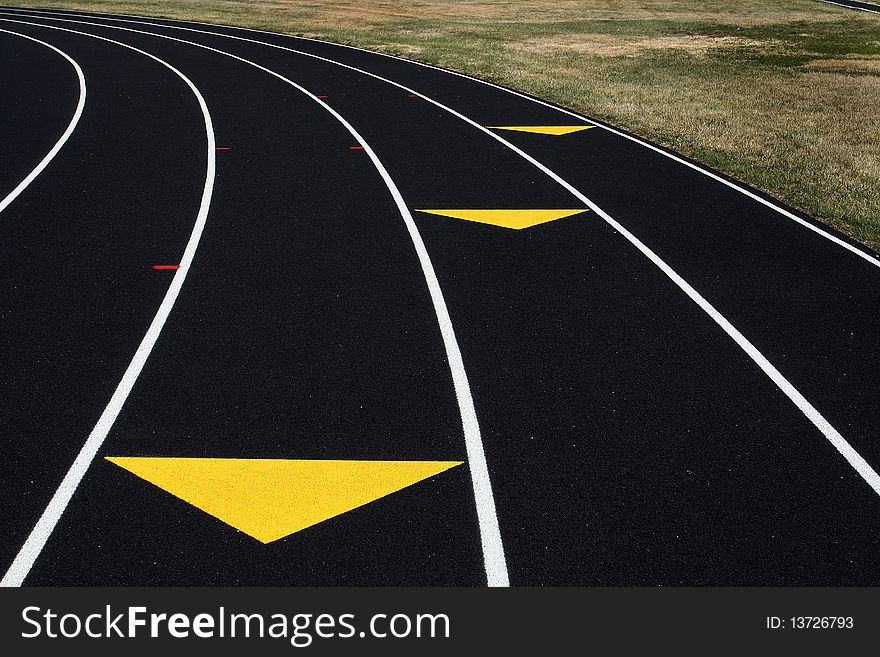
(676, 386)
(854, 4)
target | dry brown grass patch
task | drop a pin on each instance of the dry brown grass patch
(608, 45)
(861, 64)
(353, 13)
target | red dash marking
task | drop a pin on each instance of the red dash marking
(222, 148)
(413, 95)
(322, 96)
(355, 148)
(166, 266)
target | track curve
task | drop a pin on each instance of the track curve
(629, 439)
(65, 135)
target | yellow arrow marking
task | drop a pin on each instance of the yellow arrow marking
(543, 129)
(516, 219)
(269, 499)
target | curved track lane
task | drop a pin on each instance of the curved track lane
(628, 438)
(870, 7)
(31, 113)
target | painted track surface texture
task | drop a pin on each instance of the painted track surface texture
(629, 439)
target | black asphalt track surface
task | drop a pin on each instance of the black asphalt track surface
(40, 93)
(853, 4)
(630, 441)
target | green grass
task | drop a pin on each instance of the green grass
(782, 94)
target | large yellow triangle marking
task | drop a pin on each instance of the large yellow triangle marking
(516, 219)
(269, 499)
(543, 129)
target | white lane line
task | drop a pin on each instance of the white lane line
(831, 434)
(81, 103)
(35, 542)
(490, 533)
(840, 4)
(874, 259)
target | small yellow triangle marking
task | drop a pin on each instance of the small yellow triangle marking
(269, 499)
(543, 129)
(516, 219)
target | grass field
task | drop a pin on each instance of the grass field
(783, 94)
